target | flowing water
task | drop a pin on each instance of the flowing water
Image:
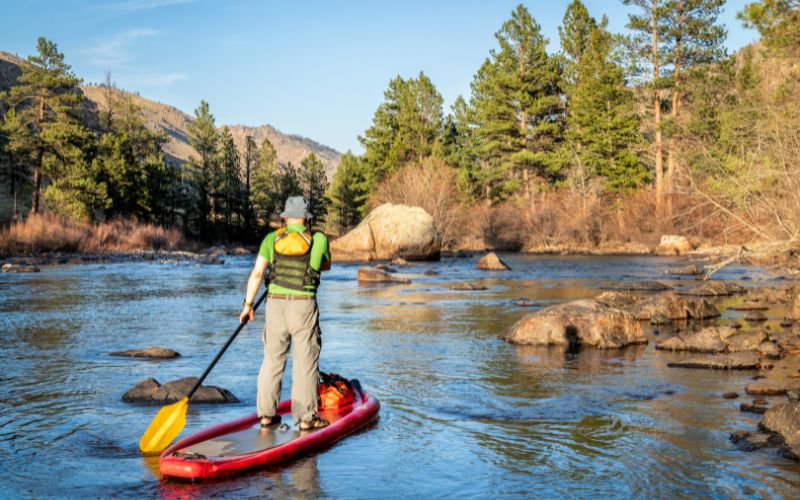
(463, 413)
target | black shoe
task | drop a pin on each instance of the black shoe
(268, 422)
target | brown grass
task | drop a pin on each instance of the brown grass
(49, 233)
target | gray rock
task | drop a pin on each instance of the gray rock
(620, 300)
(660, 319)
(673, 307)
(491, 262)
(640, 286)
(20, 268)
(736, 361)
(755, 316)
(752, 441)
(150, 391)
(374, 275)
(690, 270)
(783, 419)
(730, 395)
(714, 289)
(786, 340)
(753, 407)
(525, 303)
(430, 272)
(764, 388)
(579, 323)
(149, 352)
(713, 339)
(770, 349)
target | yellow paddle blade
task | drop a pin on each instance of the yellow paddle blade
(165, 427)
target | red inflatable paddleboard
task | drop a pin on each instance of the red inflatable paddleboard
(242, 444)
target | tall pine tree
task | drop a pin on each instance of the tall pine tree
(315, 184)
(346, 193)
(516, 111)
(603, 128)
(264, 184)
(204, 138)
(574, 34)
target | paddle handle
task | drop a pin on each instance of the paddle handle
(224, 348)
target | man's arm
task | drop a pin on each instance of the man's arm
(256, 275)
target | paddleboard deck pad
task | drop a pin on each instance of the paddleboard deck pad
(242, 444)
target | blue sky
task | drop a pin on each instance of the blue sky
(315, 68)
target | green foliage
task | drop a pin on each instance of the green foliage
(516, 112)
(264, 184)
(203, 170)
(406, 126)
(346, 193)
(778, 21)
(314, 182)
(603, 128)
(228, 186)
(574, 34)
(45, 131)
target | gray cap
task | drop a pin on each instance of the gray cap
(295, 208)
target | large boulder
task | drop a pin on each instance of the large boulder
(491, 262)
(388, 232)
(714, 339)
(783, 419)
(150, 391)
(580, 323)
(375, 275)
(148, 352)
(674, 245)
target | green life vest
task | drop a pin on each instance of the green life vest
(291, 261)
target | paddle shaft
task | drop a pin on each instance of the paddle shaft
(224, 348)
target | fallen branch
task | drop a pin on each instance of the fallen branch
(719, 265)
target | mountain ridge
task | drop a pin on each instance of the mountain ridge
(290, 148)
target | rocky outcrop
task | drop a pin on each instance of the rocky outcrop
(674, 245)
(149, 352)
(714, 289)
(150, 391)
(714, 339)
(388, 232)
(764, 388)
(491, 262)
(666, 305)
(19, 268)
(736, 361)
(575, 324)
(783, 420)
(640, 286)
(375, 275)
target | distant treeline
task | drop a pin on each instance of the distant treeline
(665, 110)
(94, 162)
(612, 138)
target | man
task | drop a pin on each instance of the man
(295, 258)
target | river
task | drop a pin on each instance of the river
(463, 413)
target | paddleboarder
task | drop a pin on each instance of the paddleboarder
(295, 257)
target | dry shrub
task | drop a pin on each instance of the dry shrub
(504, 228)
(431, 185)
(49, 233)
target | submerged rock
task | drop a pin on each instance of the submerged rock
(750, 306)
(786, 340)
(760, 407)
(491, 262)
(388, 232)
(580, 323)
(150, 391)
(713, 339)
(375, 275)
(149, 352)
(430, 272)
(730, 395)
(770, 349)
(466, 286)
(384, 267)
(752, 441)
(736, 361)
(714, 289)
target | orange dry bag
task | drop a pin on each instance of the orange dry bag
(334, 391)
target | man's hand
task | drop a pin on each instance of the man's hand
(247, 315)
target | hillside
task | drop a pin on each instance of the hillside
(172, 121)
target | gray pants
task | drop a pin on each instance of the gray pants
(295, 323)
